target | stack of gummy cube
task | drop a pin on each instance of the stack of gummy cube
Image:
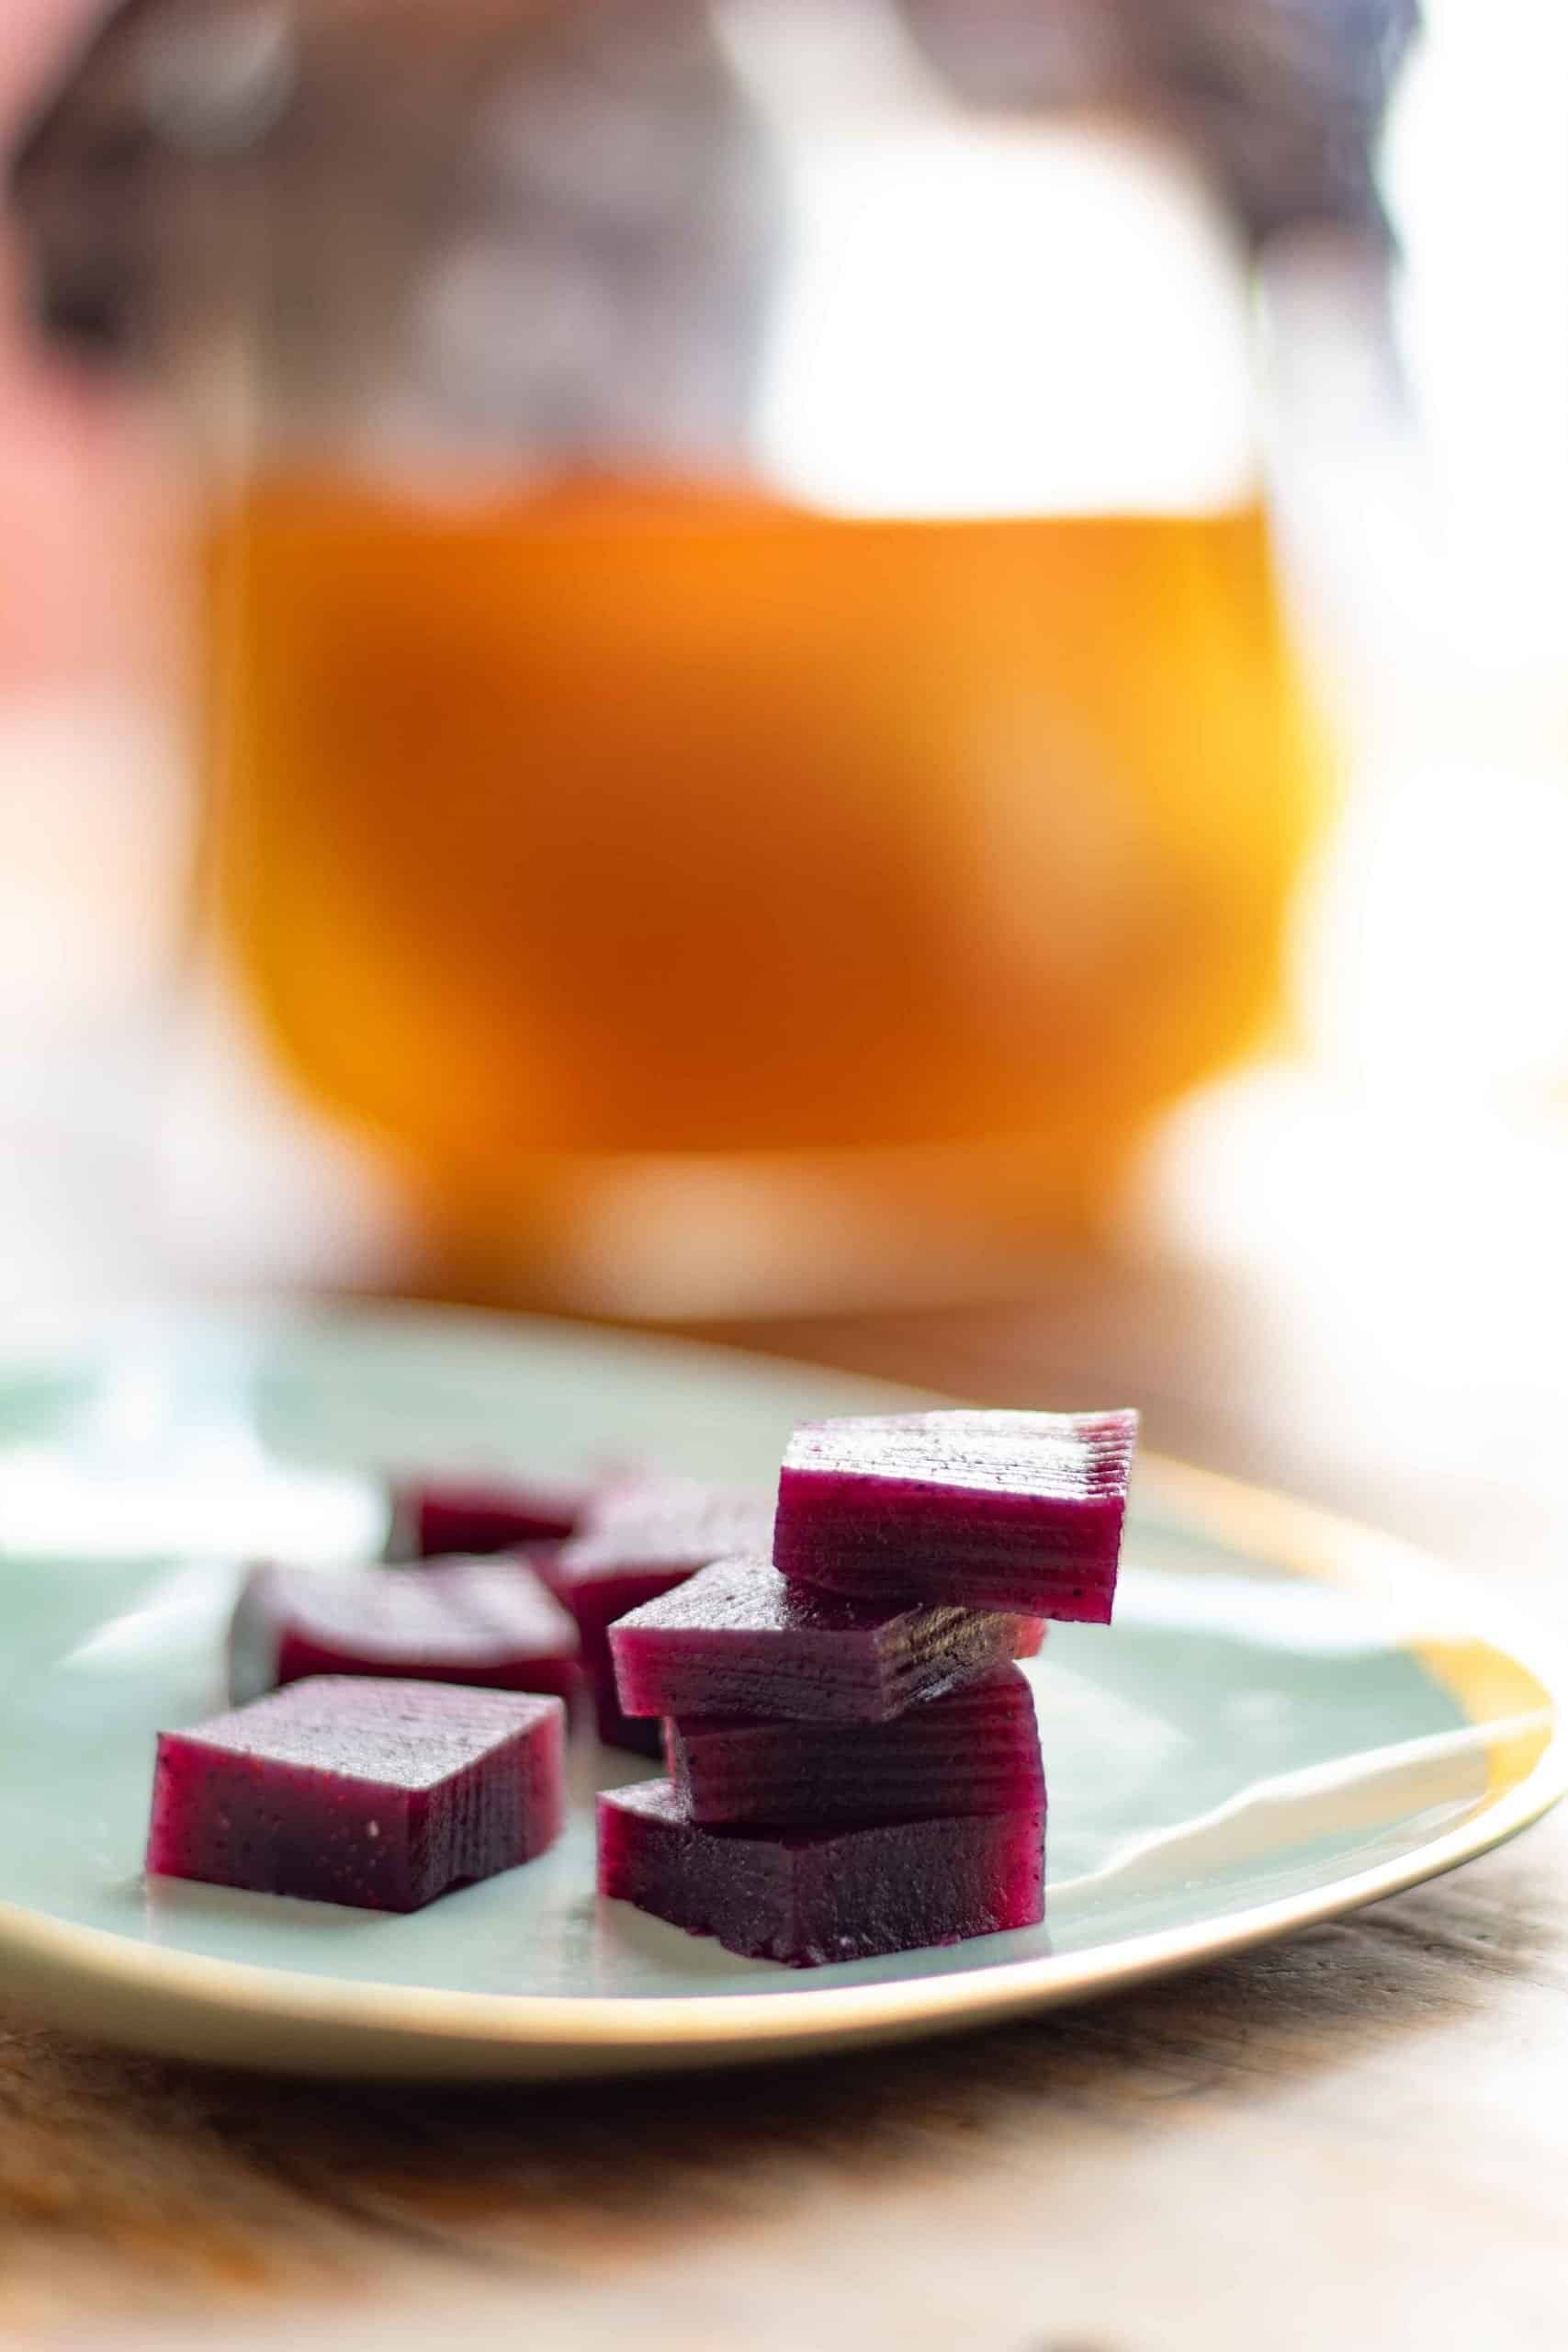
(853, 1760)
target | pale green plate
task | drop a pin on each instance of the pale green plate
(1290, 1717)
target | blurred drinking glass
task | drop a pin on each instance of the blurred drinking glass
(751, 740)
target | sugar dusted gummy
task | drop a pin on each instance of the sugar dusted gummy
(647, 1540)
(666, 1499)
(808, 1898)
(482, 1621)
(992, 1510)
(976, 1751)
(348, 1790)
(433, 1518)
(738, 1640)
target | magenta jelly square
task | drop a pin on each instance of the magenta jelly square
(435, 1517)
(978, 1750)
(348, 1789)
(491, 1623)
(646, 1497)
(807, 1898)
(739, 1640)
(996, 1510)
(649, 1543)
(649, 1540)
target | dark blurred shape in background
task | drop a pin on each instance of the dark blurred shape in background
(128, 182)
(1282, 101)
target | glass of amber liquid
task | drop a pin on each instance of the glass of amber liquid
(752, 743)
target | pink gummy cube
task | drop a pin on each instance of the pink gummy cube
(482, 1621)
(995, 1510)
(651, 1539)
(644, 1498)
(978, 1750)
(806, 1898)
(346, 1790)
(435, 1517)
(738, 1640)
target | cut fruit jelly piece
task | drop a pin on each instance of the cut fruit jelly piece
(808, 1898)
(640, 1553)
(998, 1510)
(647, 1498)
(976, 1751)
(645, 1540)
(482, 1621)
(433, 1518)
(738, 1640)
(344, 1789)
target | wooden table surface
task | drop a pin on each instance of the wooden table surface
(1359, 2137)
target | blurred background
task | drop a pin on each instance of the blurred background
(884, 678)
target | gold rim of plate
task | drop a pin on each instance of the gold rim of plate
(1501, 1673)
